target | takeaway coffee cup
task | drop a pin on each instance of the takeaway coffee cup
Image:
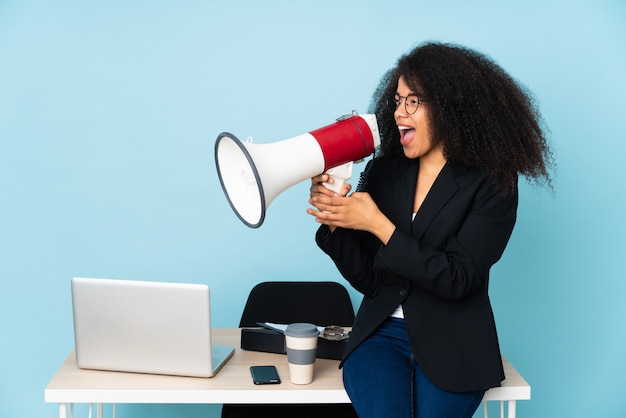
(301, 343)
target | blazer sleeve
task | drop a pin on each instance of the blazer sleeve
(353, 253)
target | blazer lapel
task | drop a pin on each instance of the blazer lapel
(444, 187)
(404, 182)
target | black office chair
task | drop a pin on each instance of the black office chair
(320, 303)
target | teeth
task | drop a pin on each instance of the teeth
(404, 128)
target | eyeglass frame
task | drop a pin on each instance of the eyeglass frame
(397, 99)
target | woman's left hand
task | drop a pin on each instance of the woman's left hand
(357, 211)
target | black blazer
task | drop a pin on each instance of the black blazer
(436, 266)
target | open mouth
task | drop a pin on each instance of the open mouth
(406, 134)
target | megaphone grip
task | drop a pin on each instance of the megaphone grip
(340, 175)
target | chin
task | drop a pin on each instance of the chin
(410, 155)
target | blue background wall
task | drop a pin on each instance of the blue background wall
(108, 116)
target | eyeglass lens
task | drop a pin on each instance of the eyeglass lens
(411, 102)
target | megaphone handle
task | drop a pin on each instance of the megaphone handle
(340, 175)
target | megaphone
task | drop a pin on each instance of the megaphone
(252, 175)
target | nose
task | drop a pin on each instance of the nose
(401, 108)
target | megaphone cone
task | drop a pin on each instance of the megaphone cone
(252, 175)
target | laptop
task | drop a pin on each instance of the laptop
(145, 327)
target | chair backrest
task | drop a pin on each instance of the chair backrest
(320, 303)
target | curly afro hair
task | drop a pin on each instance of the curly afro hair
(479, 113)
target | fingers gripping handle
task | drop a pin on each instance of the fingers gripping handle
(340, 175)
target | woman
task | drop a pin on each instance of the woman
(434, 211)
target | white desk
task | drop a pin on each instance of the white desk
(232, 384)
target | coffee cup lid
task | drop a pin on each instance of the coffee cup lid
(301, 329)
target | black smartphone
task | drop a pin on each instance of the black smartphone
(263, 375)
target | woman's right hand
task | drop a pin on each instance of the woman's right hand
(318, 188)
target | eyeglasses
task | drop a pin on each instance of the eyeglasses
(411, 103)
